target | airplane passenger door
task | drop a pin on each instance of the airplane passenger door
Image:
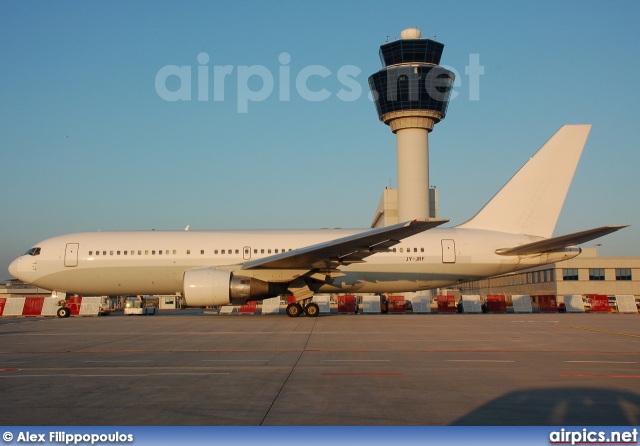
(71, 254)
(448, 251)
(246, 253)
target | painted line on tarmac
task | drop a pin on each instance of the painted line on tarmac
(361, 374)
(588, 375)
(477, 360)
(235, 360)
(606, 362)
(124, 360)
(107, 375)
(356, 360)
(598, 331)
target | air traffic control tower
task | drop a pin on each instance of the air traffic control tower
(412, 93)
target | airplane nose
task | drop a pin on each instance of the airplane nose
(13, 268)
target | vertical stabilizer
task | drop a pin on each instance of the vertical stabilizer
(531, 201)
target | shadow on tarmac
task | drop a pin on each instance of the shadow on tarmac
(558, 406)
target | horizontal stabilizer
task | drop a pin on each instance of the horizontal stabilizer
(346, 250)
(556, 243)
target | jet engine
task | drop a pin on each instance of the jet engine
(210, 287)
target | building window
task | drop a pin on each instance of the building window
(621, 273)
(570, 274)
(596, 274)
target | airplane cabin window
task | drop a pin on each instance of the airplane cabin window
(90, 253)
(188, 251)
(401, 249)
(153, 252)
(269, 251)
(276, 251)
(255, 251)
(237, 252)
(174, 252)
(104, 253)
(262, 251)
(160, 252)
(146, 252)
(421, 249)
(223, 251)
(118, 252)
(202, 252)
(110, 253)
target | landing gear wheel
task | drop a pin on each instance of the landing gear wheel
(294, 310)
(63, 312)
(312, 310)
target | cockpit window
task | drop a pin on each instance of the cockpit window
(33, 252)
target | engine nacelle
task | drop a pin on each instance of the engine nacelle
(210, 287)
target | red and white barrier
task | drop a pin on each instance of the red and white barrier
(48, 306)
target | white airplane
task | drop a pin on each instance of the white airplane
(213, 268)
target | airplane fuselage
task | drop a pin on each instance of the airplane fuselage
(154, 262)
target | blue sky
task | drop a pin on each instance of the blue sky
(88, 143)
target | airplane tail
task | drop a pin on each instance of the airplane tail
(531, 201)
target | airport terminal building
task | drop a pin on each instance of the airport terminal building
(587, 274)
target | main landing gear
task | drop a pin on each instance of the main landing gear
(296, 309)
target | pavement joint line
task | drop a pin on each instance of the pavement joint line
(598, 330)
(290, 373)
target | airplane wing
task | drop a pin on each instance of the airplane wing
(346, 250)
(555, 243)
